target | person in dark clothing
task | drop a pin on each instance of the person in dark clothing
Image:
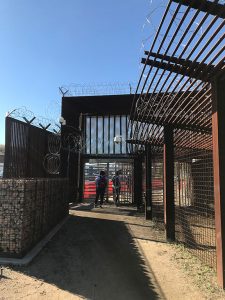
(116, 188)
(101, 183)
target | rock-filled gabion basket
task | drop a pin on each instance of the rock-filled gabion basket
(29, 209)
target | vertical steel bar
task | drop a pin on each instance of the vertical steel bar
(126, 133)
(103, 134)
(79, 165)
(218, 123)
(137, 181)
(90, 134)
(114, 133)
(107, 193)
(8, 146)
(121, 133)
(109, 134)
(84, 142)
(81, 179)
(96, 118)
(148, 202)
(168, 193)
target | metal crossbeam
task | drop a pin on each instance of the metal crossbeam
(212, 8)
(183, 126)
(181, 61)
(176, 69)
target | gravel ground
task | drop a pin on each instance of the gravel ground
(110, 253)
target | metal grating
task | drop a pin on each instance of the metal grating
(157, 188)
(30, 151)
(143, 167)
(100, 132)
(92, 170)
(194, 203)
(175, 91)
(174, 86)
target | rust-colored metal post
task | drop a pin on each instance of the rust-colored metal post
(218, 125)
(148, 201)
(168, 192)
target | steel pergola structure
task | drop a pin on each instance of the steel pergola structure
(179, 106)
(176, 88)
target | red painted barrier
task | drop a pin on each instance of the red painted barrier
(90, 189)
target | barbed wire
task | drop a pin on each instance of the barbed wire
(26, 115)
(72, 142)
(53, 110)
(150, 26)
(98, 89)
(52, 163)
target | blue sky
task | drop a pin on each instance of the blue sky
(48, 43)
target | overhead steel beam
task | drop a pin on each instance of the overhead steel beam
(212, 8)
(138, 142)
(159, 143)
(183, 126)
(181, 61)
(176, 69)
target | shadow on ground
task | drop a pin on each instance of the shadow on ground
(109, 208)
(95, 259)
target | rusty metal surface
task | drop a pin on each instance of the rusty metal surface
(219, 169)
(194, 203)
(174, 87)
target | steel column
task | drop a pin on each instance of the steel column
(218, 125)
(108, 134)
(168, 178)
(148, 201)
(107, 190)
(103, 134)
(81, 181)
(114, 133)
(79, 165)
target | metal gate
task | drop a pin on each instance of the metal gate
(92, 169)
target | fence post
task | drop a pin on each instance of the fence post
(168, 177)
(148, 202)
(218, 125)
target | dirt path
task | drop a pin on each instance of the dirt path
(100, 254)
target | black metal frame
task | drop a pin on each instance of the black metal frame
(26, 149)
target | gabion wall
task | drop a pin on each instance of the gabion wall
(29, 209)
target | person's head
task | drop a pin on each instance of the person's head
(102, 173)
